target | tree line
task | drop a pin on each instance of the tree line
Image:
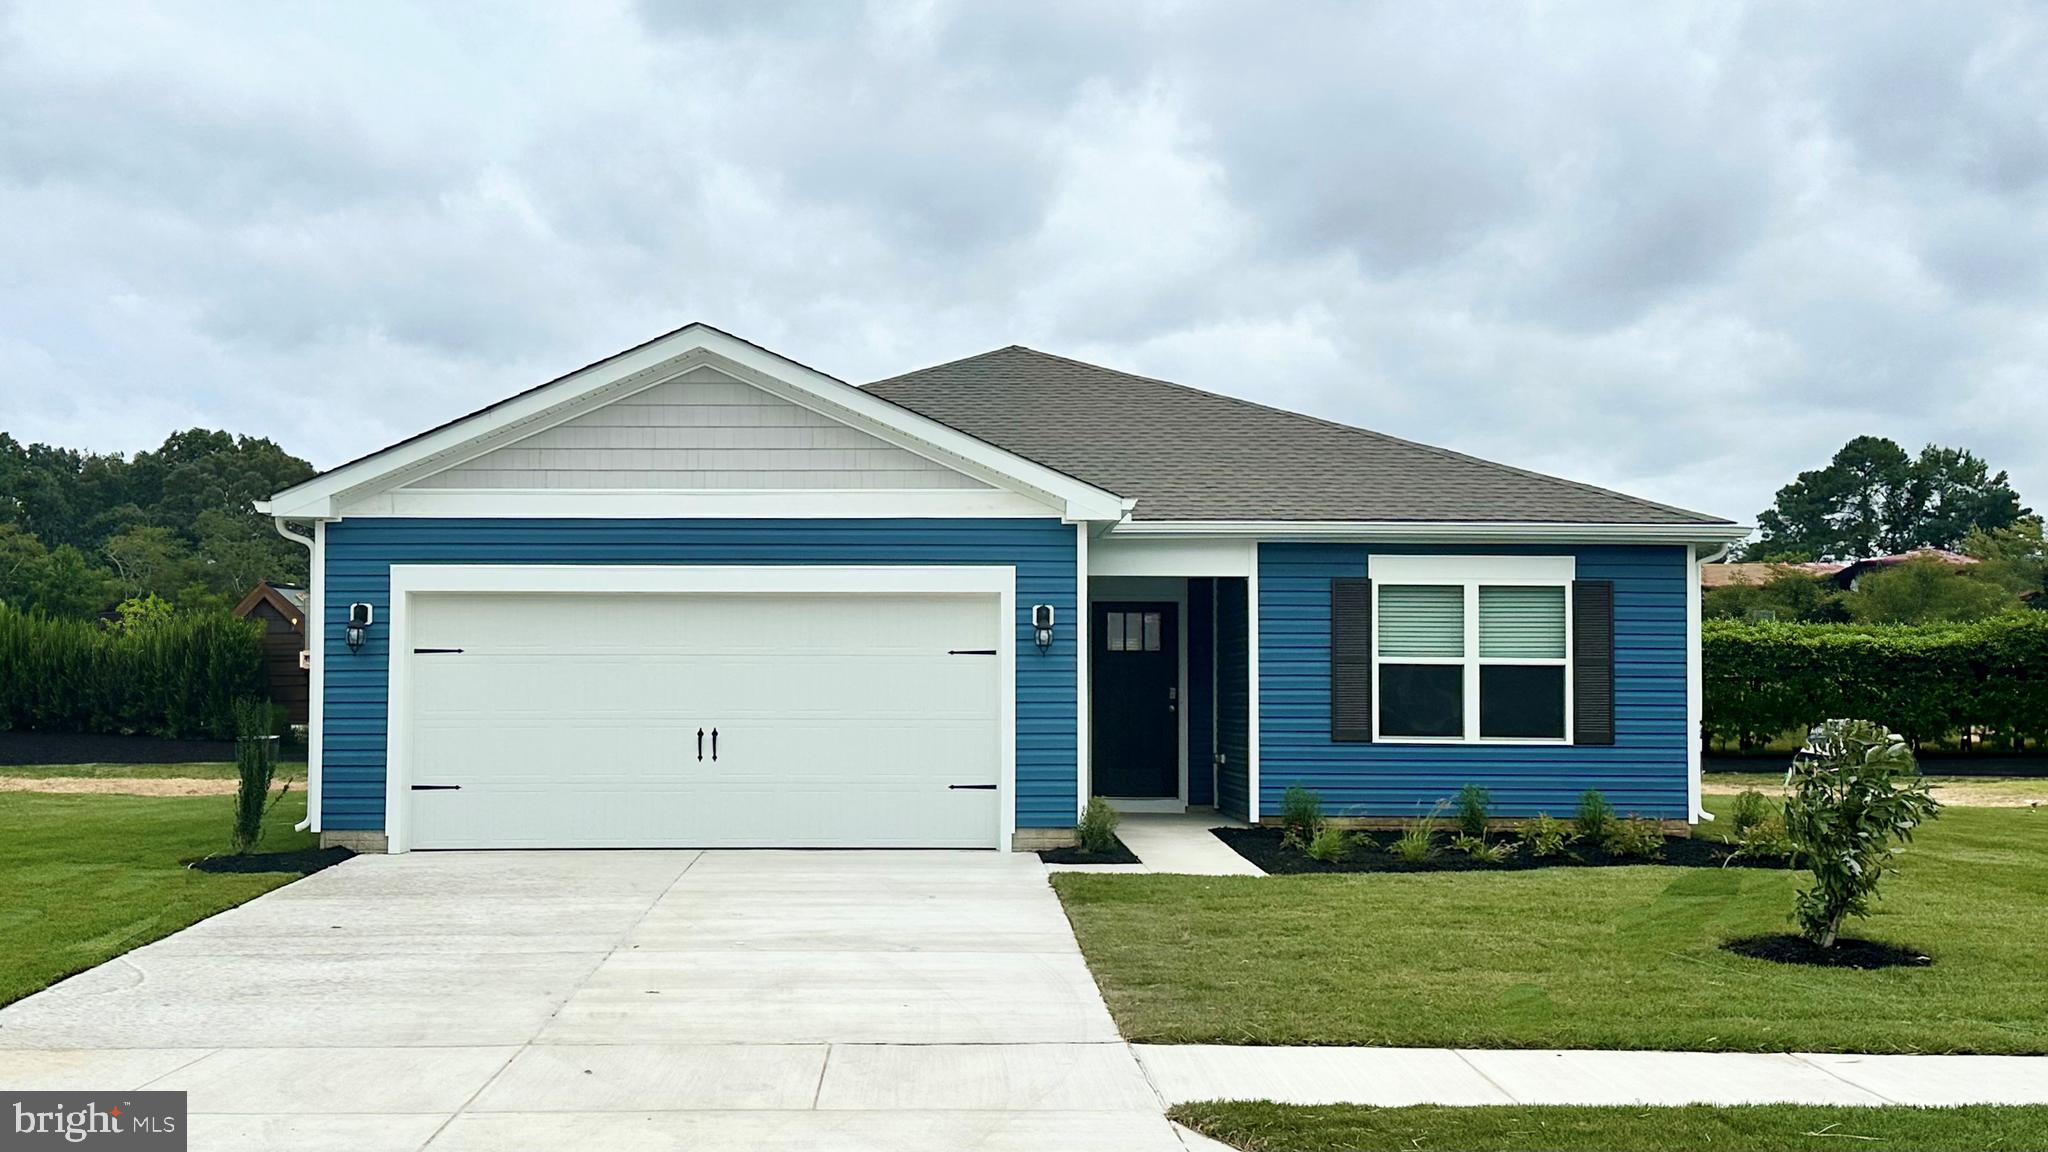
(81, 532)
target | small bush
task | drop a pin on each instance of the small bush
(1329, 845)
(1546, 836)
(1635, 839)
(1764, 840)
(1472, 803)
(1855, 789)
(1595, 816)
(1301, 816)
(1097, 829)
(1478, 849)
(255, 766)
(1751, 809)
(1417, 842)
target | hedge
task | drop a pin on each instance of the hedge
(1926, 683)
(176, 678)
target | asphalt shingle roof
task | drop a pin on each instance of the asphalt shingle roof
(1185, 454)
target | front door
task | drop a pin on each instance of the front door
(1136, 715)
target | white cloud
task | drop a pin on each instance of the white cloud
(1685, 250)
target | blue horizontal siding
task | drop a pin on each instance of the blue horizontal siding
(1645, 771)
(360, 554)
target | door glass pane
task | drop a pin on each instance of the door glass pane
(1521, 700)
(1521, 623)
(1422, 700)
(1134, 632)
(1421, 620)
(1113, 631)
(1151, 631)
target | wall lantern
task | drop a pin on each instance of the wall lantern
(1041, 625)
(360, 617)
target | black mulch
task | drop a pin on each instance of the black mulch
(1847, 952)
(99, 748)
(1122, 855)
(1262, 846)
(305, 862)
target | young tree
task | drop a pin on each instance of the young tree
(1872, 499)
(1855, 790)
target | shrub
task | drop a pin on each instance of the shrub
(178, 676)
(1097, 829)
(1765, 840)
(1329, 845)
(1855, 790)
(1751, 809)
(1417, 842)
(255, 766)
(1932, 681)
(1635, 839)
(1477, 848)
(1301, 816)
(1546, 836)
(1594, 817)
(1472, 802)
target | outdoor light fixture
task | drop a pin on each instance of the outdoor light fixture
(360, 617)
(1041, 625)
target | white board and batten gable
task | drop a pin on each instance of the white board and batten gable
(696, 423)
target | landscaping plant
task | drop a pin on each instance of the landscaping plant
(255, 767)
(1097, 829)
(1330, 844)
(1417, 842)
(1546, 836)
(1635, 839)
(1594, 816)
(1758, 829)
(1472, 802)
(1301, 816)
(1855, 790)
(1478, 849)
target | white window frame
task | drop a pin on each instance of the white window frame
(1470, 573)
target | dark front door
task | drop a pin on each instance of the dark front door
(1136, 716)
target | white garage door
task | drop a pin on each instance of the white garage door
(702, 720)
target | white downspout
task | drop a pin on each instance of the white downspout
(310, 626)
(1695, 678)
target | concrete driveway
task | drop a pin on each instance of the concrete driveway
(626, 1000)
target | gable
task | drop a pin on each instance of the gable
(703, 431)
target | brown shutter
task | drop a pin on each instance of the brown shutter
(1351, 660)
(1592, 661)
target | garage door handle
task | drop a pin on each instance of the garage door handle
(714, 745)
(700, 744)
(972, 787)
(437, 787)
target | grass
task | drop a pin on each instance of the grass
(87, 878)
(1578, 958)
(1260, 1126)
(210, 770)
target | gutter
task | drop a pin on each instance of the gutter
(1700, 813)
(278, 522)
(1443, 531)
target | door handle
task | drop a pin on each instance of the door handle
(714, 744)
(700, 744)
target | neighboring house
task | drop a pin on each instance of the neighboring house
(698, 594)
(282, 609)
(1714, 576)
(1846, 576)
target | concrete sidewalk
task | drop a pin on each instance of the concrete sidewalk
(1397, 1077)
(1178, 842)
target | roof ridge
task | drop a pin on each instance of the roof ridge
(1444, 453)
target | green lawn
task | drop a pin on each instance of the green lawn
(87, 878)
(1578, 958)
(1265, 1127)
(212, 770)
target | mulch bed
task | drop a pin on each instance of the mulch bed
(95, 748)
(1263, 847)
(305, 862)
(1847, 952)
(1122, 855)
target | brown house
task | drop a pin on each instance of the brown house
(282, 609)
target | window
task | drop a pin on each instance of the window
(1470, 656)
(1131, 631)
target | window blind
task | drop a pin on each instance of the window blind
(1521, 623)
(1421, 620)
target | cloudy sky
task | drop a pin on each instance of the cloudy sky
(1681, 249)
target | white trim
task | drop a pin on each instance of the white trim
(1695, 709)
(410, 579)
(568, 503)
(1142, 556)
(316, 679)
(1438, 532)
(665, 357)
(1161, 590)
(1251, 624)
(1084, 767)
(1469, 573)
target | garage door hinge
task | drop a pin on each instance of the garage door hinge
(425, 651)
(437, 787)
(972, 787)
(970, 651)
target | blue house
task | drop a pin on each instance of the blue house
(698, 594)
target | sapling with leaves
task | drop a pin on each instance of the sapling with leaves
(1855, 791)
